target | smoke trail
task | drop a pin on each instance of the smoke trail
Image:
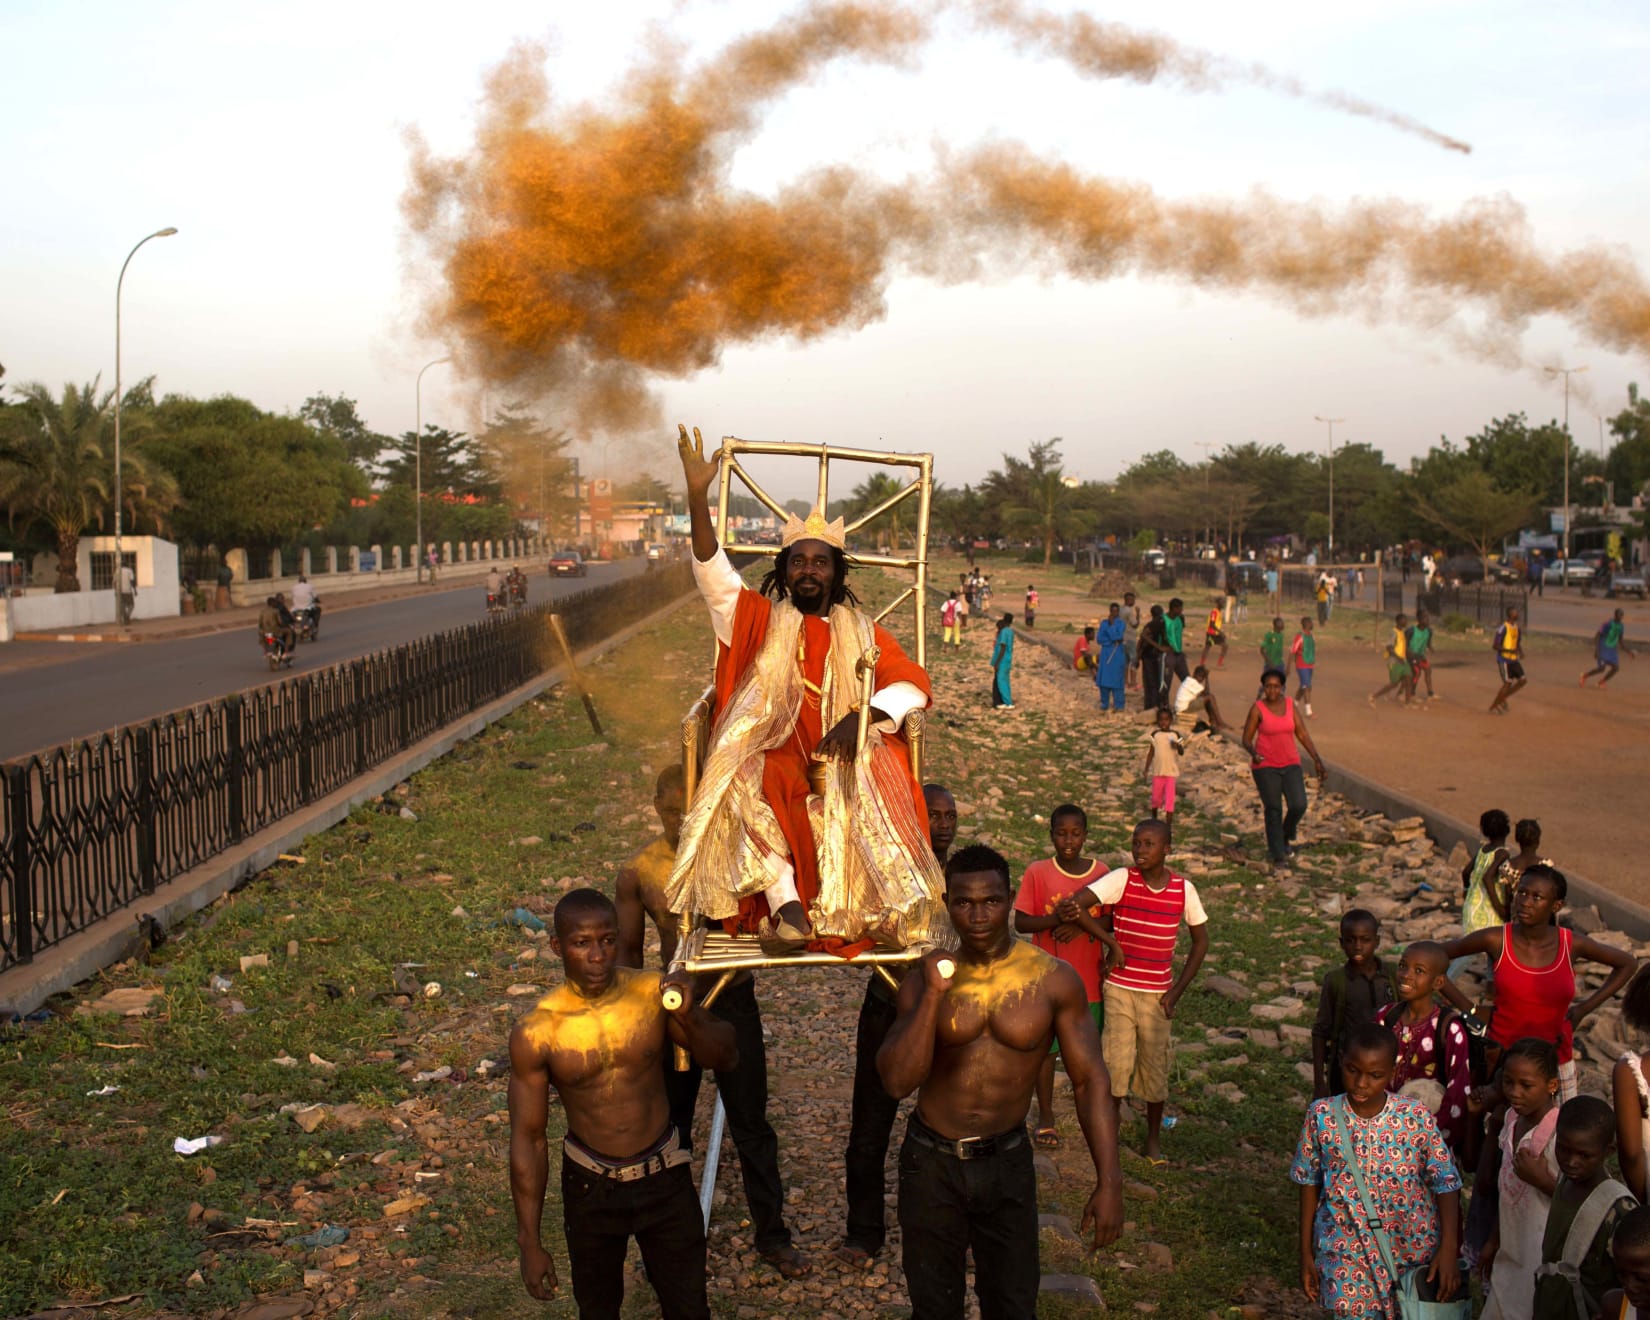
(1111, 50)
(584, 252)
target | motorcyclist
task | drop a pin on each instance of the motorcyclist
(518, 583)
(276, 621)
(495, 585)
(304, 598)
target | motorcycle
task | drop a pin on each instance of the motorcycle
(274, 652)
(306, 623)
(495, 603)
(518, 591)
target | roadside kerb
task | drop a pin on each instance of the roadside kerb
(1446, 831)
(123, 934)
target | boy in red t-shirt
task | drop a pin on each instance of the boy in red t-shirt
(1081, 940)
(1148, 905)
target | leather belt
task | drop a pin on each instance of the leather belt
(965, 1148)
(666, 1155)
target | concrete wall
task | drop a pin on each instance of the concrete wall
(42, 610)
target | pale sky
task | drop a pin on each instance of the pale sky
(273, 138)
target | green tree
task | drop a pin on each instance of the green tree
(337, 417)
(889, 526)
(1628, 466)
(1473, 508)
(57, 470)
(249, 477)
(528, 461)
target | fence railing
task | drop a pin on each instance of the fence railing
(95, 825)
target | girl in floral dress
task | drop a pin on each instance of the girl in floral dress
(1408, 1172)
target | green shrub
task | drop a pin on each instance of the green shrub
(1455, 623)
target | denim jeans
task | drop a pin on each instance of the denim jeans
(744, 1094)
(946, 1207)
(871, 1123)
(1277, 784)
(600, 1215)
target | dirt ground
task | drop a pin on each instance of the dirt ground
(1572, 759)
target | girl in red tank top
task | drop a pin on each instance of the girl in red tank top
(1535, 981)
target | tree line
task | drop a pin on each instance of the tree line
(224, 473)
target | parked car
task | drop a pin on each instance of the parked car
(657, 553)
(1565, 572)
(1629, 582)
(1154, 558)
(1465, 570)
(566, 563)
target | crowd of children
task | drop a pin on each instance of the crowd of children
(1412, 1088)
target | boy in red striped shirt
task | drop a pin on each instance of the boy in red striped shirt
(1149, 903)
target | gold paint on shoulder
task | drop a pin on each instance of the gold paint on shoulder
(565, 1021)
(992, 985)
(653, 865)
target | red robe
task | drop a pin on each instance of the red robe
(785, 769)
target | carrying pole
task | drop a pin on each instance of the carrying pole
(573, 675)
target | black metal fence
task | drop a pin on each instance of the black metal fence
(92, 826)
(1484, 606)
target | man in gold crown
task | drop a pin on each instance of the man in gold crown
(839, 861)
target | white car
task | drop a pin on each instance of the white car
(1564, 572)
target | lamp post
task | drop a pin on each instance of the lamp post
(418, 461)
(119, 489)
(1566, 372)
(1330, 422)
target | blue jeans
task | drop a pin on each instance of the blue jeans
(1277, 784)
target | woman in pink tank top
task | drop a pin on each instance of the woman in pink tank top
(1535, 981)
(1269, 736)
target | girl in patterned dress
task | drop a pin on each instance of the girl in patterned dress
(1410, 1177)
(1432, 1042)
(1529, 1173)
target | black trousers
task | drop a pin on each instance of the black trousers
(871, 1123)
(1151, 679)
(946, 1207)
(600, 1215)
(744, 1094)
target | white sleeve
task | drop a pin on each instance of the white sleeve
(1109, 887)
(720, 584)
(1195, 915)
(896, 701)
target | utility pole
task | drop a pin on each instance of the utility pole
(1566, 372)
(1208, 448)
(1330, 422)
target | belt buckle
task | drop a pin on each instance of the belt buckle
(973, 1148)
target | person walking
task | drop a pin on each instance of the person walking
(1002, 664)
(1031, 606)
(1113, 666)
(1270, 735)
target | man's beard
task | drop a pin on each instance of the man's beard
(810, 597)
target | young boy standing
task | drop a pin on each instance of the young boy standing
(1353, 993)
(1576, 1269)
(1149, 904)
(1432, 1041)
(1304, 653)
(1083, 941)
(1274, 648)
(1162, 767)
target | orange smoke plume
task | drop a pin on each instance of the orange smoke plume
(1111, 50)
(583, 252)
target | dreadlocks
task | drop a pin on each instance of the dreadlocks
(774, 583)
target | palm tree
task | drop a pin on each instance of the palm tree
(1050, 511)
(872, 492)
(57, 469)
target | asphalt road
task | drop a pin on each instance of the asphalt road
(51, 692)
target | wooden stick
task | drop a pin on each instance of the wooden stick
(573, 676)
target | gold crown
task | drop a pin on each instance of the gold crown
(815, 528)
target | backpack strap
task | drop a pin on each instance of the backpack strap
(1579, 1241)
(1382, 1242)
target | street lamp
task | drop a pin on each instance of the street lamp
(119, 489)
(1330, 422)
(1566, 372)
(418, 461)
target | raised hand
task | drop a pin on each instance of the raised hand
(698, 470)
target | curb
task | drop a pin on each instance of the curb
(124, 934)
(1446, 831)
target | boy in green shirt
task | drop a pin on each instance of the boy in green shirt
(1304, 653)
(1608, 644)
(1419, 642)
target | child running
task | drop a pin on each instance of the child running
(1397, 667)
(1357, 992)
(1528, 1177)
(1433, 1063)
(1149, 905)
(1214, 634)
(1608, 644)
(1380, 1194)
(1576, 1270)
(1162, 767)
(1630, 1250)
(1304, 653)
(1081, 940)
(1508, 646)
